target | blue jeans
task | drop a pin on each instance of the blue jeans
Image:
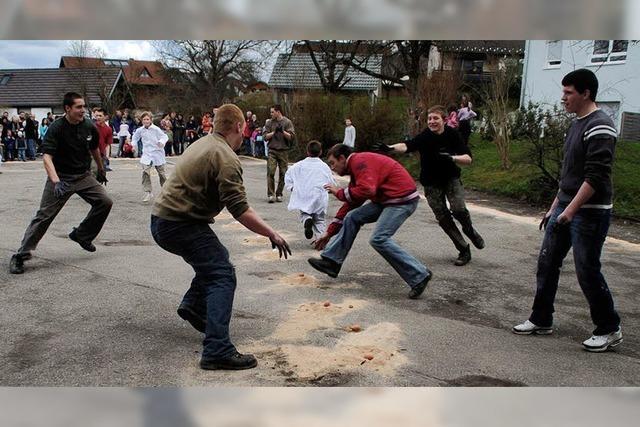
(586, 234)
(21, 155)
(388, 219)
(213, 287)
(31, 148)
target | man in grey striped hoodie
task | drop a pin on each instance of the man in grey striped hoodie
(579, 216)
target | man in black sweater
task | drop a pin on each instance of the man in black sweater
(579, 216)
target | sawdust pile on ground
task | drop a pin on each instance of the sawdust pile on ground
(374, 349)
(350, 353)
(312, 316)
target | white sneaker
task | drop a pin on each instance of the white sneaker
(146, 198)
(528, 328)
(600, 343)
(270, 199)
(278, 199)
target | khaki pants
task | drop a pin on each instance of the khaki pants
(279, 159)
(146, 176)
(90, 191)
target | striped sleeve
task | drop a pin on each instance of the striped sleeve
(605, 130)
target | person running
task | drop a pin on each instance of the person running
(207, 179)
(280, 134)
(441, 151)
(393, 198)
(579, 216)
(153, 142)
(68, 147)
(306, 180)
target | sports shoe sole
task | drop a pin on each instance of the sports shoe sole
(540, 331)
(603, 348)
(308, 228)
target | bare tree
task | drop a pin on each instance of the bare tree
(404, 63)
(211, 71)
(332, 60)
(84, 71)
(499, 106)
(441, 88)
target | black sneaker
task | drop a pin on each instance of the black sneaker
(325, 265)
(235, 361)
(308, 228)
(418, 289)
(16, 265)
(198, 322)
(464, 257)
(87, 246)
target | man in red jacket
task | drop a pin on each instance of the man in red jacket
(393, 198)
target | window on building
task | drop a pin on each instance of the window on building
(115, 63)
(145, 73)
(470, 66)
(554, 53)
(4, 80)
(609, 51)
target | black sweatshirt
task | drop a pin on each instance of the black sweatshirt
(436, 170)
(588, 156)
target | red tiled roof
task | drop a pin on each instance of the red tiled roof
(132, 72)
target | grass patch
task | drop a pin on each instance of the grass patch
(520, 182)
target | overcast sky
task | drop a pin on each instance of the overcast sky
(47, 53)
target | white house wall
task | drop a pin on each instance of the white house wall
(40, 113)
(618, 82)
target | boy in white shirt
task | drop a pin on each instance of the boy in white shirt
(153, 141)
(306, 180)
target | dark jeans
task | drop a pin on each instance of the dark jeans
(464, 127)
(31, 149)
(89, 190)
(213, 287)
(586, 234)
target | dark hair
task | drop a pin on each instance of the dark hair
(98, 110)
(582, 80)
(452, 108)
(340, 150)
(70, 99)
(277, 107)
(314, 148)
